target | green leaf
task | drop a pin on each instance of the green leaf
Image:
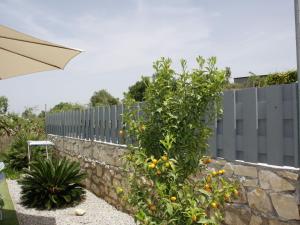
(159, 110)
(67, 198)
(169, 209)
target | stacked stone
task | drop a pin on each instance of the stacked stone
(269, 195)
(102, 164)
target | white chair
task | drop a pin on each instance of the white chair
(1, 168)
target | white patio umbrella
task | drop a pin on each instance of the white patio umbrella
(22, 54)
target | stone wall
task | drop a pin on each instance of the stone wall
(102, 163)
(269, 195)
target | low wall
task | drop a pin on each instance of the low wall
(269, 194)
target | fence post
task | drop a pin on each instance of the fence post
(297, 27)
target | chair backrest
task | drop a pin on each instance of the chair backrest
(1, 166)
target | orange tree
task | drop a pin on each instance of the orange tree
(170, 182)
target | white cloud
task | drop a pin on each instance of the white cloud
(121, 43)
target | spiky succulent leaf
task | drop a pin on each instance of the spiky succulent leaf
(51, 184)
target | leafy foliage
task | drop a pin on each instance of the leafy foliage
(137, 91)
(65, 106)
(3, 104)
(170, 182)
(16, 157)
(277, 78)
(29, 113)
(1, 202)
(102, 97)
(52, 184)
(282, 77)
(176, 105)
(22, 129)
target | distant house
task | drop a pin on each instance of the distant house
(243, 80)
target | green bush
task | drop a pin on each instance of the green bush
(277, 78)
(52, 184)
(22, 130)
(170, 182)
(17, 156)
(1, 202)
(282, 77)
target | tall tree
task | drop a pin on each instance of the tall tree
(65, 106)
(5, 122)
(3, 104)
(102, 97)
(29, 113)
(137, 91)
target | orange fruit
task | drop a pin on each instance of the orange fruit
(167, 164)
(158, 172)
(121, 132)
(214, 173)
(194, 218)
(154, 161)
(173, 198)
(208, 189)
(152, 207)
(207, 161)
(221, 172)
(227, 197)
(164, 158)
(214, 205)
(142, 127)
(208, 178)
(151, 165)
(236, 192)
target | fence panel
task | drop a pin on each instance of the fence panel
(107, 123)
(102, 123)
(120, 135)
(113, 118)
(92, 124)
(257, 125)
(97, 127)
(226, 149)
(247, 125)
(274, 125)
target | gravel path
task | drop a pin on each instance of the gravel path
(98, 212)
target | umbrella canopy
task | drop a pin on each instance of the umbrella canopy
(22, 54)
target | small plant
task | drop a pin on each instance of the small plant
(170, 183)
(17, 156)
(1, 202)
(52, 184)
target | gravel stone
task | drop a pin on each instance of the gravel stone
(98, 212)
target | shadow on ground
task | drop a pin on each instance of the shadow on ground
(8, 217)
(25, 219)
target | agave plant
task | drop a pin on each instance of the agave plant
(52, 183)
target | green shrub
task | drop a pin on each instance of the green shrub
(17, 156)
(52, 184)
(1, 202)
(282, 78)
(277, 78)
(170, 182)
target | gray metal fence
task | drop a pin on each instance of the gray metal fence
(258, 125)
(98, 123)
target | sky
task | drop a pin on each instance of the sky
(122, 38)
